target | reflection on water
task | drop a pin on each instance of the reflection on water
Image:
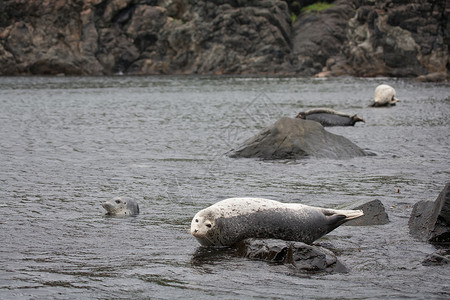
(67, 144)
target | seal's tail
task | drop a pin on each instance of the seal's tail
(351, 214)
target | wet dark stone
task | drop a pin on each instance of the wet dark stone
(290, 138)
(430, 221)
(438, 258)
(300, 255)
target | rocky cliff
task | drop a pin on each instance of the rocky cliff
(351, 37)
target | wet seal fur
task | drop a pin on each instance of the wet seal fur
(119, 206)
(329, 117)
(384, 96)
(235, 219)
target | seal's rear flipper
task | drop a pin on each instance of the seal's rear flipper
(338, 217)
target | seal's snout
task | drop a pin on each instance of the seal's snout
(194, 232)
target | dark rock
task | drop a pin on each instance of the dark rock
(419, 222)
(374, 214)
(430, 221)
(395, 41)
(319, 36)
(438, 258)
(296, 138)
(95, 37)
(301, 256)
(433, 77)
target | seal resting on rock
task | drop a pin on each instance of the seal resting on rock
(329, 117)
(235, 219)
(384, 96)
(119, 206)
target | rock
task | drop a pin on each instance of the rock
(430, 221)
(374, 214)
(52, 38)
(438, 258)
(296, 138)
(319, 36)
(395, 39)
(103, 37)
(433, 77)
(301, 256)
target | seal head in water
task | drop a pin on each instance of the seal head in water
(119, 206)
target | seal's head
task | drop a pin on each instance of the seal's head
(119, 206)
(202, 227)
(301, 115)
(356, 118)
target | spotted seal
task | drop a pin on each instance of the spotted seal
(329, 117)
(384, 96)
(119, 206)
(232, 220)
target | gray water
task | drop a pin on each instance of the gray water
(67, 144)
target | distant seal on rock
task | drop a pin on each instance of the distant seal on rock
(232, 220)
(384, 96)
(119, 206)
(329, 117)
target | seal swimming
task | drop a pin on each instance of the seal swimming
(119, 206)
(329, 117)
(384, 96)
(232, 220)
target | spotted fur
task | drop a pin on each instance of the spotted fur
(232, 220)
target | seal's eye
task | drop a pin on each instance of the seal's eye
(208, 225)
(196, 220)
(117, 201)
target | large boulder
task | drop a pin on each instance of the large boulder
(144, 37)
(430, 221)
(295, 138)
(300, 255)
(319, 36)
(393, 38)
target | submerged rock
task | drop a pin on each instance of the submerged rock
(300, 255)
(438, 258)
(430, 221)
(296, 138)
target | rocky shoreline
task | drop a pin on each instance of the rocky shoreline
(139, 37)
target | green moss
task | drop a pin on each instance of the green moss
(293, 17)
(316, 7)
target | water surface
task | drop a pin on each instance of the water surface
(69, 143)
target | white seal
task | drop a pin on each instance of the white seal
(384, 96)
(232, 220)
(119, 206)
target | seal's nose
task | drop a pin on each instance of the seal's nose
(195, 230)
